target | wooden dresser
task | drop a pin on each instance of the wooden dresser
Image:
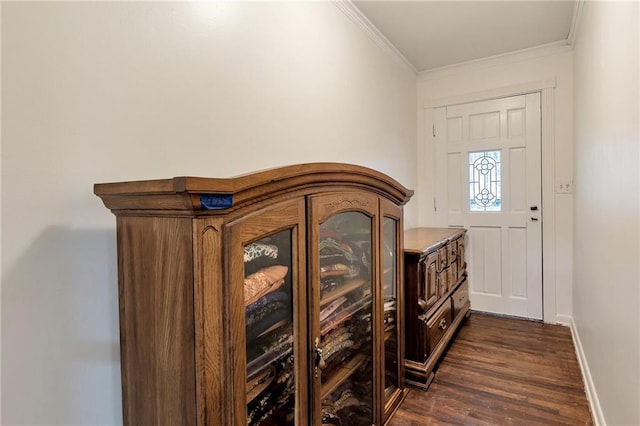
(436, 294)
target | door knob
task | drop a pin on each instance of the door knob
(533, 208)
(535, 219)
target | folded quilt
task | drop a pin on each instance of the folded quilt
(262, 282)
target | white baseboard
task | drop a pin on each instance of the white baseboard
(589, 387)
(564, 320)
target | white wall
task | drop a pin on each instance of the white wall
(502, 77)
(99, 92)
(607, 212)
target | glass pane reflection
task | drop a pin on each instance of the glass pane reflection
(268, 295)
(346, 364)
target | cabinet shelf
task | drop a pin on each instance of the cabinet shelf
(342, 291)
(344, 315)
(342, 374)
(388, 391)
(389, 333)
(268, 358)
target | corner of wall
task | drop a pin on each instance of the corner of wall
(352, 11)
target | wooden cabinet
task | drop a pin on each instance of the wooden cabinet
(437, 297)
(270, 298)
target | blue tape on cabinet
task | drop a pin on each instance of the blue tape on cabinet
(216, 201)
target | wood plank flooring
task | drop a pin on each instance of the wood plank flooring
(502, 371)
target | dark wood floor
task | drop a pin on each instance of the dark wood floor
(502, 371)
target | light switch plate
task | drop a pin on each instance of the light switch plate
(564, 187)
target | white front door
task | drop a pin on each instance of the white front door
(489, 174)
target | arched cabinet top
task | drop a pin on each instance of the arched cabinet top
(199, 195)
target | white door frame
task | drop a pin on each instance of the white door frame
(546, 88)
(509, 278)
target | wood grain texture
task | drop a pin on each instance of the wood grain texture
(211, 360)
(422, 240)
(156, 320)
(502, 371)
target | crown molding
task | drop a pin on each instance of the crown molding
(352, 12)
(494, 93)
(503, 58)
(575, 21)
(349, 9)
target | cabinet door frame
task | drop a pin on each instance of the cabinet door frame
(319, 209)
(250, 228)
(393, 212)
(211, 358)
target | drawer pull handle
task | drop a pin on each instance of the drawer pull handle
(422, 303)
(443, 324)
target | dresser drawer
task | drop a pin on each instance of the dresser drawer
(443, 258)
(452, 252)
(460, 298)
(438, 324)
(453, 277)
(443, 282)
(461, 264)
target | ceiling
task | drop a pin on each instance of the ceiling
(436, 34)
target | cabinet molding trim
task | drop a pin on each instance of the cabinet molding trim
(182, 195)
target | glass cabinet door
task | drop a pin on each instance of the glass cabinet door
(392, 319)
(390, 316)
(268, 315)
(268, 298)
(343, 336)
(390, 286)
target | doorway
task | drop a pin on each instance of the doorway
(488, 168)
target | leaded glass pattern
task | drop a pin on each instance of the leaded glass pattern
(485, 181)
